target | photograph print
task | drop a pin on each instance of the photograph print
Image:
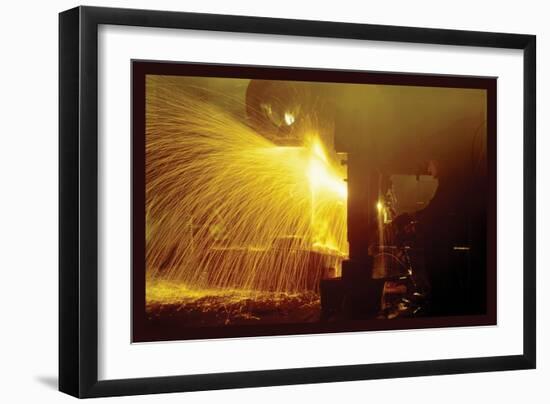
(282, 201)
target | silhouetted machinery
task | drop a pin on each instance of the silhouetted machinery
(433, 255)
(439, 249)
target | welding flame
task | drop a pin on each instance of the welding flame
(321, 174)
(226, 207)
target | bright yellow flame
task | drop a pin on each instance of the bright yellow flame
(322, 175)
(317, 150)
(226, 208)
(379, 206)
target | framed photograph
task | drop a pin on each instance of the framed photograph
(251, 201)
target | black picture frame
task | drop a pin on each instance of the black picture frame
(78, 201)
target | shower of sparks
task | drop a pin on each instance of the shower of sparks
(228, 209)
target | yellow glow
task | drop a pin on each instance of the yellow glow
(322, 175)
(382, 211)
(228, 209)
(289, 118)
(318, 151)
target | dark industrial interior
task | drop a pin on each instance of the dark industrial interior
(404, 234)
(424, 260)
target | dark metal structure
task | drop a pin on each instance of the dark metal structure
(398, 130)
